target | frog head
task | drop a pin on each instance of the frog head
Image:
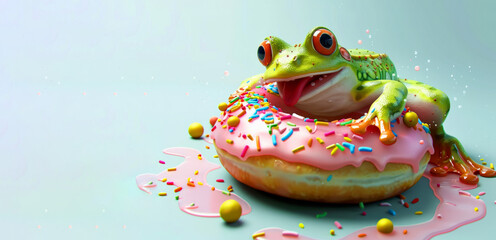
(304, 71)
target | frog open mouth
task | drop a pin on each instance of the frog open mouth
(291, 89)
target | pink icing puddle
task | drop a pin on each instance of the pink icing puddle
(199, 200)
(456, 208)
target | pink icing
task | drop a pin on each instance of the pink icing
(454, 210)
(410, 147)
(206, 202)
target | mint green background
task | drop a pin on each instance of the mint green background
(69, 159)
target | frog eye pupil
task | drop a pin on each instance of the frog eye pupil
(261, 53)
(326, 40)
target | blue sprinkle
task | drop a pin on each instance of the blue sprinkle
(274, 140)
(255, 116)
(365, 149)
(262, 108)
(285, 137)
(373, 110)
(394, 120)
(329, 178)
(419, 121)
(426, 129)
(275, 108)
(268, 119)
(231, 130)
(392, 212)
(396, 135)
(349, 146)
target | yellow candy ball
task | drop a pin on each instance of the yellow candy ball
(233, 121)
(230, 211)
(410, 119)
(222, 106)
(195, 130)
(385, 225)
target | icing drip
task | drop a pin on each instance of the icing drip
(194, 198)
(456, 208)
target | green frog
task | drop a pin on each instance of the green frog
(325, 79)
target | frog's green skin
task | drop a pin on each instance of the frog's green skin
(366, 79)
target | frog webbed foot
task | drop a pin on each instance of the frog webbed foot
(387, 136)
(450, 156)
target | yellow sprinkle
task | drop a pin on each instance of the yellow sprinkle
(491, 166)
(218, 120)
(309, 129)
(260, 234)
(334, 151)
(162, 194)
(484, 163)
(216, 156)
(229, 141)
(476, 209)
(269, 121)
(322, 123)
(224, 126)
(301, 225)
(319, 140)
(256, 106)
(482, 159)
(171, 169)
(200, 183)
(207, 147)
(298, 149)
(419, 213)
(236, 107)
(347, 139)
(189, 179)
(477, 197)
(330, 146)
(164, 180)
(332, 232)
(196, 172)
(250, 137)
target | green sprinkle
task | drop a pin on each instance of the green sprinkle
(226, 193)
(291, 124)
(234, 99)
(177, 197)
(340, 147)
(321, 215)
(361, 205)
(150, 183)
(345, 123)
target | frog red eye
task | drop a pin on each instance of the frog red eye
(265, 53)
(324, 41)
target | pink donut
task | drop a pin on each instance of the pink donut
(301, 158)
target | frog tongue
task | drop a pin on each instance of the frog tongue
(291, 90)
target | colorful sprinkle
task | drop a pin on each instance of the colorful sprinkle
(405, 231)
(338, 225)
(340, 147)
(310, 141)
(258, 143)
(331, 146)
(329, 133)
(322, 123)
(329, 178)
(161, 162)
(347, 139)
(365, 149)
(361, 205)
(385, 204)
(357, 137)
(162, 194)
(171, 169)
(415, 200)
(178, 189)
(321, 215)
(476, 209)
(419, 213)
(290, 234)
(301, 225)
(300, 148)
(349, 146)
(291, 124)
(164, 180)
(243, 153)
(229, 141)
(332, 232)
(274, 140)
(392, 212)
(334, 151)
(285, 137)
(361, 235)
(345, 123)
(220, 180)
(260, 234)
(309, 129)
(319, 140)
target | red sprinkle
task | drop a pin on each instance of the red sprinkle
(401, 196)
(161, 162)
(415, 200)
(170, 183)
(219, 180)
(364, 213)
(406, 205)
(362, 235)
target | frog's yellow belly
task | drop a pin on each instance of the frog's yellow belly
(334, 98)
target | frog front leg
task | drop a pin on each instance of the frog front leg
(432, 106)
(389, 105)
